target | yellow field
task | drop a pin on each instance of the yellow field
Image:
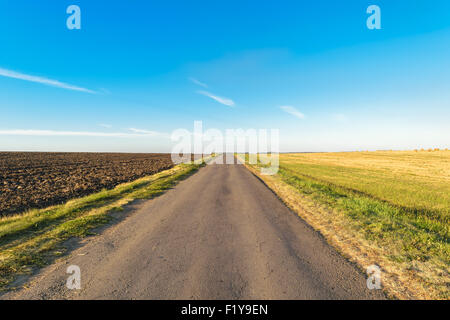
(389, 208)
(417, 180)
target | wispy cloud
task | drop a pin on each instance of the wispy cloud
(225, 101)
(45, 81)
(26, 132)
(199, 83)
(105, 125)
(293, 111)
(146, 132)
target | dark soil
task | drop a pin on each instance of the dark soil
(40, 179)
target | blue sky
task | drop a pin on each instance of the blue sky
(137, 70)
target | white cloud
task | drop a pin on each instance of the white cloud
(225, 101)
(45, 81)
(293, 111)
(199, 83)
(26, 132)
(143, 131)
(105, 125)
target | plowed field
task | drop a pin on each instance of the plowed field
(39, 179)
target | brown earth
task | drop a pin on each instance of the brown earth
(39, 179)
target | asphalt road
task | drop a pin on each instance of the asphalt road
(220, 234)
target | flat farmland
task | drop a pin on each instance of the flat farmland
(38, 179)
(418, 181)
(389, 208)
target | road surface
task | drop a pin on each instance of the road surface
(220, 234)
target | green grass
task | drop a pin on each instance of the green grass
(418, 180)
(35, 238)
(421, 235)
(399, 201)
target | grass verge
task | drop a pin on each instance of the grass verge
(411, 246)
(35, 238)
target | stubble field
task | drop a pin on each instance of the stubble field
(389, 208)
